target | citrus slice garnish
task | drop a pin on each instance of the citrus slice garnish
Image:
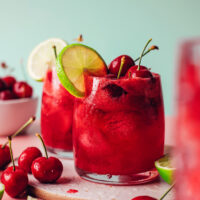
(165, 168)
(42, 57)
(75, 60)
(2, 188)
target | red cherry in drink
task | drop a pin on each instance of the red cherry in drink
(2, 85)
(6, 95)
(27, 157)
(133, 72)
(46, 169)
(143, 198)
(4, 156)
(22, 89)
(9, 81)
(140, 71)
(14, 178)
(114, 66)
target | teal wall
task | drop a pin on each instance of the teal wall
(112, 27)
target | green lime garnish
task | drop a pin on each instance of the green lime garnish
(165, 168)
(75, 60)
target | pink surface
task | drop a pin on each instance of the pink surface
(88, 190)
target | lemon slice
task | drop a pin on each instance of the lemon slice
(2, 188)
(165, 168)
(75, 60)
(42, 57)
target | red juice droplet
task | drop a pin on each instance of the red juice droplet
(72, 191)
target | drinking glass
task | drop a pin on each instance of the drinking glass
(118, 130)
(187, 150)
(57, 116)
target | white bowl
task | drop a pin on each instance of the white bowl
(14, 113)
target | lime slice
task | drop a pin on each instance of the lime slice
(43, 57)
(2, 188)
(75, 60)
(165, 168)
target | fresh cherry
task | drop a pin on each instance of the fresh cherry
(142, 73)
(2, 85)
(15, 181)
(22, 89)
(46, 169)
(9, 81)
(114, 66)
(6, 95)
(143, 198)
(4, 156)
(27, 157)
(14, 178)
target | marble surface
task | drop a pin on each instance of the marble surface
(87, 190)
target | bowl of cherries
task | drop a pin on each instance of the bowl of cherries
(17, 104)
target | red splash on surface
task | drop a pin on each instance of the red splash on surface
(72, 191)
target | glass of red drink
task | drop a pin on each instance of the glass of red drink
(57, 115)
(188, 121)
(118, 129)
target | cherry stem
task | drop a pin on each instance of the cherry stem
(150, 49)
(55, 51)
(45, 149)
(32, 119)
(11, 153)
(163, 196)
(129, 74)
(143, 53)
(121, 66)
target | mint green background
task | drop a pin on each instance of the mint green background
(111, 27)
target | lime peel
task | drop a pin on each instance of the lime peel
(75, 60)
(165, 169)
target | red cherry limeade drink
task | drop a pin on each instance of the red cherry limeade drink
(188, 131)
(56, 115)
(119, 129)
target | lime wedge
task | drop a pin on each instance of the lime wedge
(42, 57)
(75, 60)
(165, 168)
(2, 188)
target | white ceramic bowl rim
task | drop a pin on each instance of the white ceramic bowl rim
(14, 101)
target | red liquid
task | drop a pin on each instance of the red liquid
(119, 125)
(56, 113)
(187, 133)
